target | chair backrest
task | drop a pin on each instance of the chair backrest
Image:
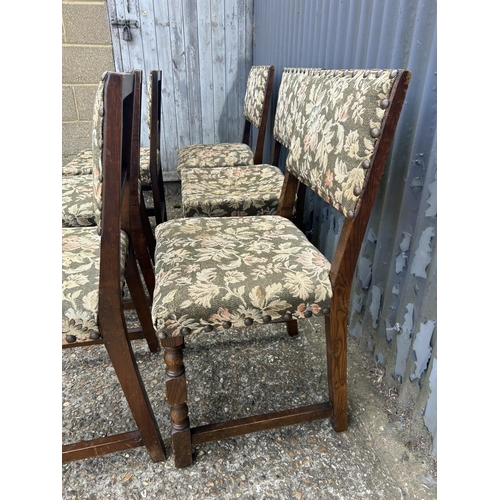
(154, 129)
(340, 134)
(256, 106)
(337, 132)
(112, 153)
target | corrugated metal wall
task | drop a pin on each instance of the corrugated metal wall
(394, 293)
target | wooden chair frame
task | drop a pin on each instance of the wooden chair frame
(120, 113)
(159, 210)
(336, 317)
(261, 134)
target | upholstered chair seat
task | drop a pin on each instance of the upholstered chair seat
(78, 202)
(80, 282)
(213, 155)
(234, 154)
(82, 165)
(261, 268)
(231, 191)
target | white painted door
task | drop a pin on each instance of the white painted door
(204, 49)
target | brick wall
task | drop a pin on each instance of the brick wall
(86, 54)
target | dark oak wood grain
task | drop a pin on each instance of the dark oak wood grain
(120, 91)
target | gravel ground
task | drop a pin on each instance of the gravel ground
(378, 457)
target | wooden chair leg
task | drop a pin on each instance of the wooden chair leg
(123, 360)
(177, 399)
(292, 328)
(140, 302)
(336, 353)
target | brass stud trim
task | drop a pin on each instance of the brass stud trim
(99, 230)
(366, 73)
(185, 330)
(70, 339)
(308, 313)
(208, 328)
(375, 132)
(350, 215)
(357, 191)
(101, 111)
(365, 164)
(226, 324)
(288, 317)
(248, 321)
(394, 73)
(384, 103)
(266, 318)
(326, 311)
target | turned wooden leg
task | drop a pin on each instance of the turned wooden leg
(336, 352)
(177, 399)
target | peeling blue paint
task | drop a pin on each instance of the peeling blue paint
(357, 303)
(432, 200)
(404, 246)
(404, 342)
(422, 349)
(400, 262)
(372, 238)
(365, 272)
(422, 256)
(376, 304)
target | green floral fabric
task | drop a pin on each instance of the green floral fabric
(78, 208)
(291, 104)
(253, 105)
(80, 281)
(231, 191)
(230, 154)
(214, 155)
(215, 269)
(334, 131)
(81, 164)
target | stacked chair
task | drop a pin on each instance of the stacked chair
(77, 202)
(98, 260)
(214, 273)
(253, 189)
(255, 112)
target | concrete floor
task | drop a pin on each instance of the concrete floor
(238, 372)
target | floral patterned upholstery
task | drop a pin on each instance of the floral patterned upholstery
(261, 268)
(78, 206)
(230, 154)
(253, 105)
(214, 155)
(81, 164)
(334, 140)
(80, 282)
(231, 191)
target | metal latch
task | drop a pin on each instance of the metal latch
(127, 26)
